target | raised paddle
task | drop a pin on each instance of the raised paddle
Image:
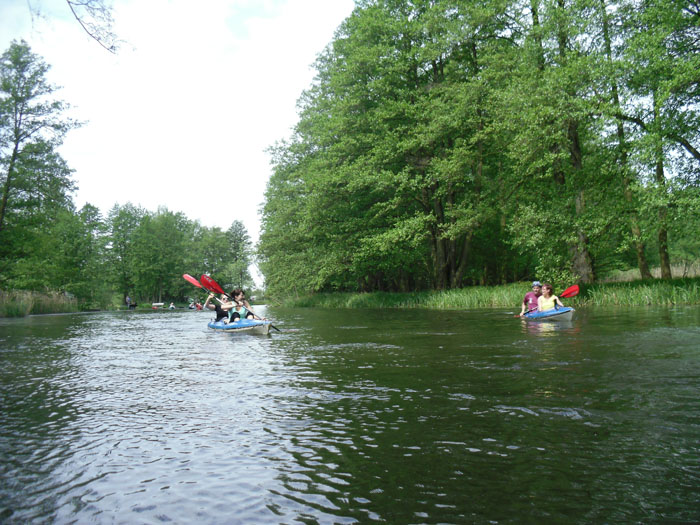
(571, 291)
(195, 282)
(192, 280)
(210, 283)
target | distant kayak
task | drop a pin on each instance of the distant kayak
(250, 326)
(565, 313)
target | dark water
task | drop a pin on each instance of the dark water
(351, 417)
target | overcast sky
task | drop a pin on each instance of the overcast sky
(182, 115)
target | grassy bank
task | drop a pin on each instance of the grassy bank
(21, 303)
(635, 293)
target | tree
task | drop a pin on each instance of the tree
(32, 126)
(662, 58)
(160, 244)
(122, 223)
(94, 16)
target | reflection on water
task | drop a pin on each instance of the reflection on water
(551, 328)
(351, 417)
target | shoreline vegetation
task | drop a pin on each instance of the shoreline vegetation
(20, 303)
(656, 292)
(671, 292)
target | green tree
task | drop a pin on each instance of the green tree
(160, 244)
(32, 126)
(35, 182)
(122, 223)
(661, 59)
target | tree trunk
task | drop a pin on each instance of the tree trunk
(664, 259)
(7, 187)
(581, 258)
(635, 230)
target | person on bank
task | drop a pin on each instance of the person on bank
(241, 308)
(547, 301)
(220, 312)
(530, 299)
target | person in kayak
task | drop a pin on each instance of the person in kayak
(241, 307)
(547, 301)
(220, 312)
(530, 299)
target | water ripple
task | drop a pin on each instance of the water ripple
(150, 418)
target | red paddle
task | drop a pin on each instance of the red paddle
(211, 285)
(192, 280)
(571, 291)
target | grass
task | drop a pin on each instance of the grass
(642, 293)
(21, 303)
(636, 293)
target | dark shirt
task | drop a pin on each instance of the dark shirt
(220, 314)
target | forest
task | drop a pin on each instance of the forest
(446, 144)
(441, 145)
(49, 246)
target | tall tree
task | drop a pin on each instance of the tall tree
(122, 223)
(32, 126)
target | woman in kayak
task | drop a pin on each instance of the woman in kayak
(241, 308)
(221, 313)
(547, 301)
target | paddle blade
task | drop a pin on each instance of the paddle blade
(211, 285)
(192, 280)
(571, 291)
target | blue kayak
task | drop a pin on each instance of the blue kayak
(565, 313)
(251, 326)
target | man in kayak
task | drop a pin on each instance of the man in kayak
(530, 299)
(547, 301)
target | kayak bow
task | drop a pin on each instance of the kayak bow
(565, 313)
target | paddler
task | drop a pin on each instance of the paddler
(531, 297)
(547, 301)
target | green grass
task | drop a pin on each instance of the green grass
(643, 293)
(21, 303)
(635, 293)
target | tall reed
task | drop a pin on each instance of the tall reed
(19, 303)
(636, 293)
(643, 293)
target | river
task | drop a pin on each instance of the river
(351, 416)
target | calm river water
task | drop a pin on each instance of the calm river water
(395, 416)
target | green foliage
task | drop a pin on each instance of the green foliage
(23, 303)
(56, 258)
(635, 293)
(446, 144)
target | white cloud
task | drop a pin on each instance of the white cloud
(182, 115)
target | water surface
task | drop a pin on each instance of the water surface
(396, 416)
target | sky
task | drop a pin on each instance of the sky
(182, 115)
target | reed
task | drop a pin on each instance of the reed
(460, 299)
(635, 293)
(20, 303)
(644, 293)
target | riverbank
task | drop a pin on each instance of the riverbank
(22, 303)
(634, 293)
